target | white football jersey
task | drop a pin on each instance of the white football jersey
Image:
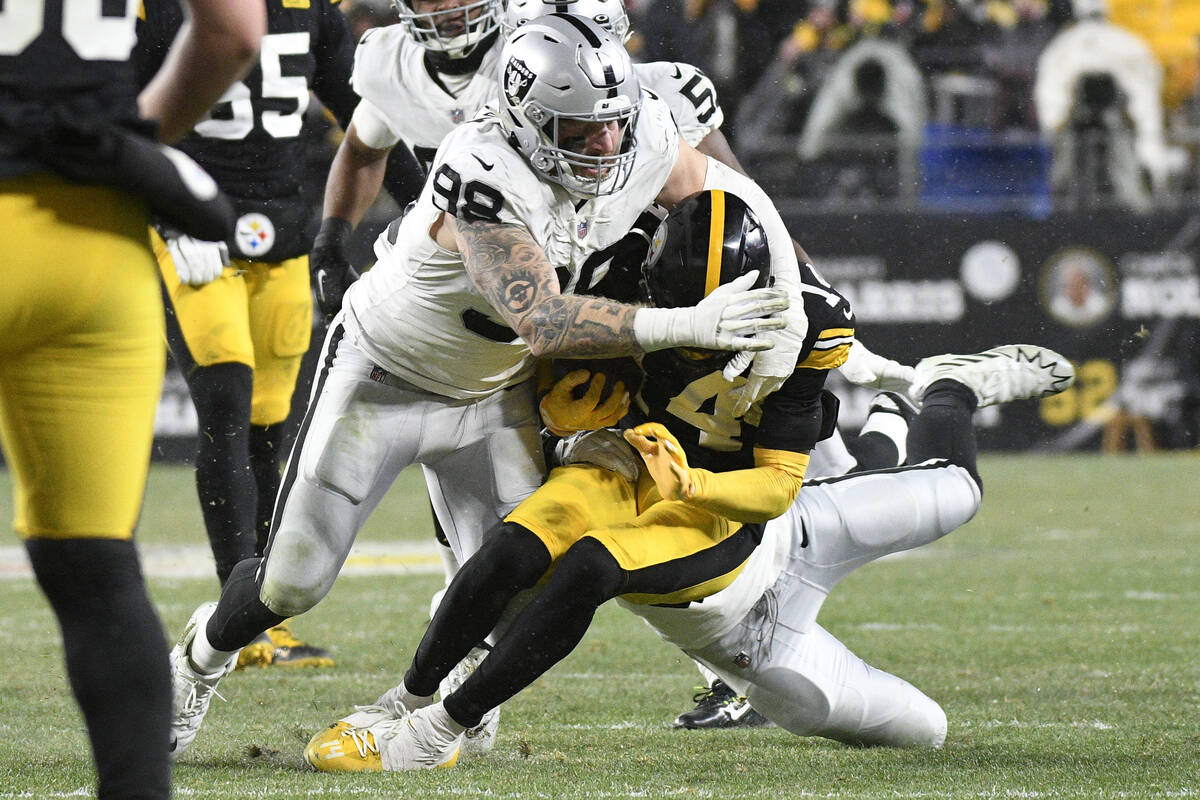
(403, 101)
(417, 312)
(688, 92)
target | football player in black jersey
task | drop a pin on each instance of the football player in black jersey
(239, 329)
(606, 534)
(81, 331)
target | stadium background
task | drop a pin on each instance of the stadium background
(959, 237)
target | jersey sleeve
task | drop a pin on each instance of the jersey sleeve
(372, 126)
(690, 95)
(334, 52)
(793, 417)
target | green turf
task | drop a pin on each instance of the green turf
(1058, 629)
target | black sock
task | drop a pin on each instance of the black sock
(116, 657)
(224, 480)
(945, 428)
(543, 634)
(240, 615)
(510, 560)
(266, 455)
(873, 450)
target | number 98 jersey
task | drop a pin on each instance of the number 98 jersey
(695, 402)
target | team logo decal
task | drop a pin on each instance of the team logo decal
(517, 80)
(457, 116)
(254, 234)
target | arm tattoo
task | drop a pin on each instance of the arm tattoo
(512, 272)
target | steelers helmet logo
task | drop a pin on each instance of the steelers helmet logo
(254, 234)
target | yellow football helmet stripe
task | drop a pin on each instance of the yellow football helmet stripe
(716, 242)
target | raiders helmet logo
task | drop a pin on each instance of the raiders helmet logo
(517, 80)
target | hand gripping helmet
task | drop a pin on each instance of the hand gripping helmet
(561, 67)
(608, 14)
(708, 240)
(473, 23)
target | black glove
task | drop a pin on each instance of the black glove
(331, 270)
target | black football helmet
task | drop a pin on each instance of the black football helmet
(709, 239)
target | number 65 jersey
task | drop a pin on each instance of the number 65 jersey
(417, 313)
(696, 403)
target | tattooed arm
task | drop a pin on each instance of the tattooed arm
(511, 270)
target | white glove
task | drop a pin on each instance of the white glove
(196, 261)
(864, 368)
(725, 320)
(769, 369)
(602, 448)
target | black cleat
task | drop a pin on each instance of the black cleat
(718, 707)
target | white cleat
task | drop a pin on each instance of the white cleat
(479, 740)
(422, 740)
(191, 690)
(1000, 375)
(324, 750)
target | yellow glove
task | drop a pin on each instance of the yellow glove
(564, 414)
(665, 459)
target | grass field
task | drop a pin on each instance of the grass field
(1060, 630)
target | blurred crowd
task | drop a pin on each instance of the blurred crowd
(951, 103)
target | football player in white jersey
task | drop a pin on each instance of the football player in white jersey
(431, 359)
(654, 537)
(760, 636)
(418, 80)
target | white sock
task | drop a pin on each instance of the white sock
(205, 658)
(893, 426)
(401, 693)
(443, 724)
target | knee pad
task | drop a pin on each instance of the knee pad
(290, 590)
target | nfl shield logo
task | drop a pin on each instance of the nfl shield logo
(581, 229)
(457, 116)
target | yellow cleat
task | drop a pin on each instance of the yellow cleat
(341, 748)
(289, 651)
(259, 653)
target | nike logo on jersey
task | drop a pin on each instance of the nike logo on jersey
(678, 73)
(846, 312)
(483, 163)
(173, 745)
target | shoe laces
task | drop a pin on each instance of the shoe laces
(714, 696)
(392, 708)
(198, 697)
(364, 741)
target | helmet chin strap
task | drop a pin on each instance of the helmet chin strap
(448, 64)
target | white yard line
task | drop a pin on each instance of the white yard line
(195, 561)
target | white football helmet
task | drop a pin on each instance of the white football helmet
(465, 26)
(561, 67)
(608, 14)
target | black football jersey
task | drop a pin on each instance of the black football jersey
(62, 67)
(692, 399)
(254, 140)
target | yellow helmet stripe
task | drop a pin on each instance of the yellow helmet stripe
(716, 241)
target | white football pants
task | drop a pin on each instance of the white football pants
(794, 672)
(363, 426)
